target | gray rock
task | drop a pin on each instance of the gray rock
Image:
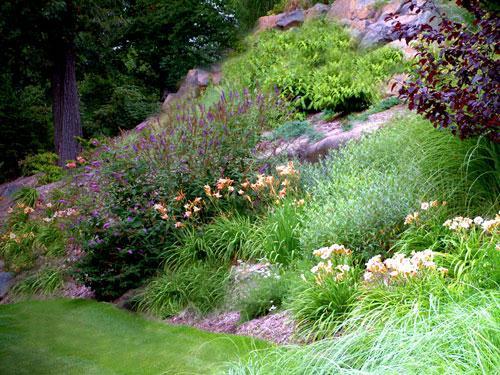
(290, 19)
(6, 280)
(381, 31)
(317, 11)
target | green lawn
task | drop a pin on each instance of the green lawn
(86, 337)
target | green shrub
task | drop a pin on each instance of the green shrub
(45, 282)
(317, 66)
(200, 286)
(125, 107)
(125, 237)
(45, 164)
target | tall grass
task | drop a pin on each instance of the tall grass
(200, 286)
(461, 337)
(276, 236)
(45, 282)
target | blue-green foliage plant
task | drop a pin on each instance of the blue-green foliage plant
(294, 129)
(362, 193)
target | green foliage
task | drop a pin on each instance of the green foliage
(27, 196)
(116, 107)
(25, 123)
(317, 66)
(375, 108)
(266, 295)
(381, 106)
(294, 129)
(26, 240)
(378, 302)
(200, 286)
(119, 255)
(289, 5)
(45, 164)
(328, 115)
(320, 304)
(444, 339)
(169, 37)
(276, 235)
(362, 193)
(221, 241)
(469, 255)
(125, 238)
(45, 282)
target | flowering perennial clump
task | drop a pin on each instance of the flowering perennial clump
(329, 269)
(400, 266)
(265, 187)
(414, 217)
(158, 207)
(460, 223)
(26, 209)
(17, 238)
(327, 252)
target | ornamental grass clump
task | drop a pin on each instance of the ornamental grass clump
(323, 297)
(39, 230)
(460, 337)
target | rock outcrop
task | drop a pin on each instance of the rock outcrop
(368, 18)
(194, 83)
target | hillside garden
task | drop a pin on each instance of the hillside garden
(385, 254)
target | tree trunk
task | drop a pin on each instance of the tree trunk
(65, 105)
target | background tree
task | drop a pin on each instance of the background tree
(168, 37)
(119, 57)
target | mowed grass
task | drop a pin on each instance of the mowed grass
(86, 337)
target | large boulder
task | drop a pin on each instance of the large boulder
(194, 83)
(380, 31)
(316, 11)
(290, 19)
(354, 13)
(282, 21)
(367, 18)
(267, 22)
